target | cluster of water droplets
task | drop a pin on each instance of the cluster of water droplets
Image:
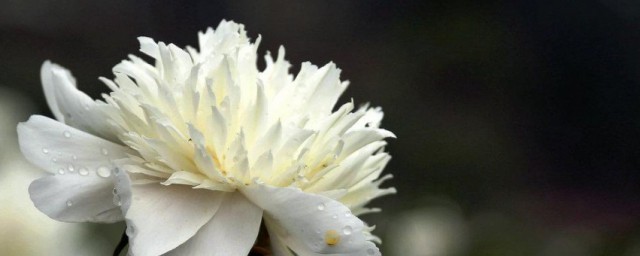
(333, 237)
(102, 171)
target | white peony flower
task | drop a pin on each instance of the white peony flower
(200, 149)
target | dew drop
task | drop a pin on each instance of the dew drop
(321, 207)
(67, 134)
(61, 171)
(347, 230)
(83, 171)
(71, 168)
(334, 217)
(55, 160)
(85, 106)
(74, 157)
(69, 203)
(105, 151)
(104, 172)
(45, 151)
(347, 214)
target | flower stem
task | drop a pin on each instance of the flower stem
(124, 240)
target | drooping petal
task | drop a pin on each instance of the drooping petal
(231, 231)
(76, 198)
(70, 105)
(314, 224)
(160, 218)
(58, 148)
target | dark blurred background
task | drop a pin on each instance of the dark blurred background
(518, 122)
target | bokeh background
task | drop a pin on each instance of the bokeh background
(518, 122)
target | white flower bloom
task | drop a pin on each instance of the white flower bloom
(200, 149)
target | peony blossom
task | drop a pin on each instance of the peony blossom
(202, 152)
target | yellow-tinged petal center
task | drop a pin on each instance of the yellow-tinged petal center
(210, 119)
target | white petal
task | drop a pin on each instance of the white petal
(58, 148)
(231, 231)
(46, 76)
(71, 106)
(76, 198)
(160, 218)
(313, 223)
(278, 246)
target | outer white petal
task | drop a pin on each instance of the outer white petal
(231, 231)
(276, 238)
(76, 198)
(160, 218)
(58, 148)
(46, 75)
(71, 106)
(77, 193)
(311, 224)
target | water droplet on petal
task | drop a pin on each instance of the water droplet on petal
(104, 172)
(45, 150)
(66, 134)
(74, 157)
(334, 216)
(83, 171)
(347, 230)
(69, 203)
(105, 151)
(348, 214)
(54, 160)
(61, 171)
(321, 207)
(71, 168)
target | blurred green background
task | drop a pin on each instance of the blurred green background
(518, 122)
